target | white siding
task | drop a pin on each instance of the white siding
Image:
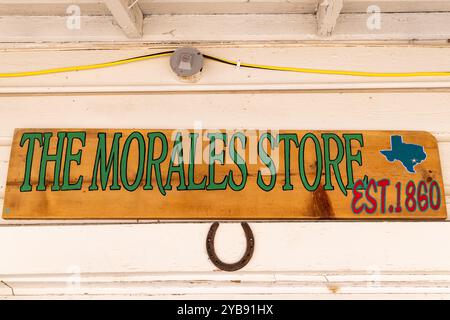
(296, 259)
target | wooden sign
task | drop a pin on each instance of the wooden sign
(219, 174)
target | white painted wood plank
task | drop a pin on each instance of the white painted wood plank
(95, 7)
(215, 284)
(50, 8)
(396, 5)
(4, 162)
(91, 7)
(317, 87)
(368, 277)
(5, 290)
(128, 249)
(444, 153)
(171, 29)
(327, 15)
(187, 287)
(280, 247)
(128, 15)
(269, 27)
(3, 174)
(5, 151)
(346, 111)
(156, 75)
(223, 6)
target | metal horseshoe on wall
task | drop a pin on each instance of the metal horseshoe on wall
(210, 249)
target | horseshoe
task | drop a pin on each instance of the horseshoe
(230, 266)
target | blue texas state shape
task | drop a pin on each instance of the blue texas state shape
(409, 155)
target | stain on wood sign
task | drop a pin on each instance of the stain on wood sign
(220, 174)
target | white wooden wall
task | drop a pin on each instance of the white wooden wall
(292, 259)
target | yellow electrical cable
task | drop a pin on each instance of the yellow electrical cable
(335, 72)
(84, 67)
(230, 62)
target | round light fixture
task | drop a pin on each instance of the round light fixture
(187, 63)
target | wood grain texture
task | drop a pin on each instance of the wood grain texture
(200, 285)
(170, 198)
(128, 16)
(327, 15)
(96, 7)
(174, 249)
(156, 76)
(233, 28)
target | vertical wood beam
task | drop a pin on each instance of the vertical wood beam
(327, 14)
(128, 15)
